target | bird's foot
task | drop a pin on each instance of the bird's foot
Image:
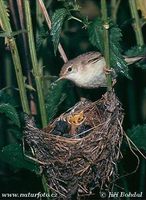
(107, 71)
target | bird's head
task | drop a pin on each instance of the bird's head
(69, 71)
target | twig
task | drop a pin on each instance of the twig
(75, 18)
(47, 18)
(106, 40)
(138, 160)
(136, 148)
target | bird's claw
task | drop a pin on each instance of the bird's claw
(107, 71)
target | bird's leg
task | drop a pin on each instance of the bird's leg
(113, 74)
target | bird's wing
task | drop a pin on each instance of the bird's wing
(91, 57)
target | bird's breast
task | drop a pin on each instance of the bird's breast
(92, 75)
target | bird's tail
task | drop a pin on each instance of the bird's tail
(131, 60)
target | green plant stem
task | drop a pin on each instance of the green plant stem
(45, 185)
(114, 9)
(8, 72)
(137, 25)
(15, 56)
(106, 40)
(36, 70)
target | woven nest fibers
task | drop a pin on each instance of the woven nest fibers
(79, 150)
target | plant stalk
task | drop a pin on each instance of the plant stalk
(36, 70)
(106, 40)
(25, 52)
(15, 56)
(114, 9)
(136, 24)
(8, 72)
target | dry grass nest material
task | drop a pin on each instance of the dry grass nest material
(84, 156)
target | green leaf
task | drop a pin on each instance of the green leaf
(55, 97)
(57, 22)
(13, 155)
(95, 31)
(138, 135)
(10, 112)
(41, 37)
(136, 51)
(142, 66)
(6, 98)
(15, 132)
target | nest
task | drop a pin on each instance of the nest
(79, 150)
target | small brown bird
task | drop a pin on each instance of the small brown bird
(89, 70)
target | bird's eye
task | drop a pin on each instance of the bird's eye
(69, 69)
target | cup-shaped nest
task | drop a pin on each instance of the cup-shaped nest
(79, 150)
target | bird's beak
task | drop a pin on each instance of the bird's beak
(60, 78)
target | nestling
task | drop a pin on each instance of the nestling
(88, 70)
